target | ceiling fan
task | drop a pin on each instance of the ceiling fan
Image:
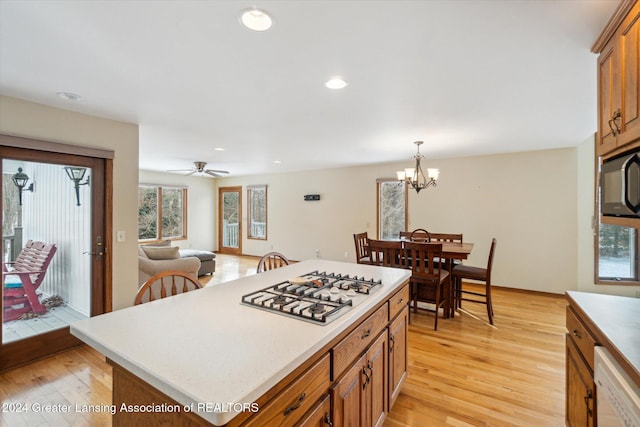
(200, 168)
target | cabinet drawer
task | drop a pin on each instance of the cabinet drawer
(347, 350)
(581, 336)
(288, 407)
(398, 302)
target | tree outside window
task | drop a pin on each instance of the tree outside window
(257, 212)
(392, 208)
(162, 212)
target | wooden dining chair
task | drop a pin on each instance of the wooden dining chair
(447, 237)
(361, 241)
(480, 274)
(166, 284)
(429, 283)
(271, 261)
(420, 235)
(387, 253)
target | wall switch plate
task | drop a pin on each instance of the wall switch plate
(121, 236)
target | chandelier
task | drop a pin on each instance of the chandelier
(416, 177)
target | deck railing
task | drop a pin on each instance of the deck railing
(230, 235)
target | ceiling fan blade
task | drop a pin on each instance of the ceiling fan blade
(179, 170)
(211, 173)
(216, 171)
(191, 173)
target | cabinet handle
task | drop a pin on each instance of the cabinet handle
(368, 380)
(400, 301)
(391, 343)
(612, 123)
(327, 420)
(366, 334)
(296, 405)
(587, 397)
(577, 334)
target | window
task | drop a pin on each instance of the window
(392, 208)
(257, 212)
(617, 254)
(162, 212)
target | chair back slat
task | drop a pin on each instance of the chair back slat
(423, 256)
(446, 237)
(387, 253)
(361, 241)
(166, 284)
(35, 257)
(270, 261)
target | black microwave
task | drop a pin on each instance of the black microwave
(620, 186)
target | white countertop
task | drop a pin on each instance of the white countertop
(206, 347)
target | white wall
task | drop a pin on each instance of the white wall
(27, 119)
(528, 201)
(201, 204)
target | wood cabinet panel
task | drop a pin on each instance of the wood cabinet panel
(376, 390)
(398, 301)
(581, 336)
(580, 402)
(629, 47)
(619, 86)
(398, 333)
(609, 98)
(319, 416)
(358, 340)
(348, 410)
(286, 408)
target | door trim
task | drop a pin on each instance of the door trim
(221, 248)
(25, 351)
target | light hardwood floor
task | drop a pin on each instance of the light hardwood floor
(468, 373)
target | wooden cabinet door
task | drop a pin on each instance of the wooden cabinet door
(629, 52)
(348, 405)
(609, 103)
(398, 332)
(376, 389)
(319, 416)
(580, 402)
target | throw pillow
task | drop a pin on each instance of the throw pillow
(162, 252)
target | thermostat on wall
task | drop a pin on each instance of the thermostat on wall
(308, 197)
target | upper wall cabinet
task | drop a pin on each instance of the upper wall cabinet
(619, 81)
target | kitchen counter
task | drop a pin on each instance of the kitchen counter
(206, 347)
(615, 322)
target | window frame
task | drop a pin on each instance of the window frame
(185, 211)
(610, 280)
(250, 221)
(379, 183)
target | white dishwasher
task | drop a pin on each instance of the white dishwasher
(617, 397)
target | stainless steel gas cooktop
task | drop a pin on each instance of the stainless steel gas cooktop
(316, 297)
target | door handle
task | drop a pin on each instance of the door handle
(615, 129)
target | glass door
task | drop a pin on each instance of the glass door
(230, 220)
(53, 221)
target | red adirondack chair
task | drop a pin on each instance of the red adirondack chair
(19, 297)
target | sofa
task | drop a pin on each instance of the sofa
(156, 259)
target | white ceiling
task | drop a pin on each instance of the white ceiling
(468, 77)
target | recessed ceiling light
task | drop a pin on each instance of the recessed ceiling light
(69, 96)
(277, 162)
(256, 19)
(336, 83)
(218, 149)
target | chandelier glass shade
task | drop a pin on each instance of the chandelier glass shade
(415, 176)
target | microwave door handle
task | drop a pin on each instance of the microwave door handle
(626, 188)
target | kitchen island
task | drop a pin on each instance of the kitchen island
(203, 358)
